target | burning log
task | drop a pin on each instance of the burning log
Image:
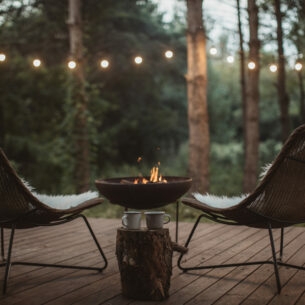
(125, 181)
(154, 178)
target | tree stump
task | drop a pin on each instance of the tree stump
(145, 263)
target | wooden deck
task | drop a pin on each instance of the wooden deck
(215, 243)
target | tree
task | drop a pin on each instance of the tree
(283, 97)
(133, 109)
(242, 69)
(79, 99)
(252, 103)
(242, 60)
(296, 36)
(199, 141)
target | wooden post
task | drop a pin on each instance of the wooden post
(145, 263)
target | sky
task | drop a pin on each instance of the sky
(220, 18)
(222, 10)
(219, 15)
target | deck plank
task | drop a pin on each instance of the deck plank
(212, 244)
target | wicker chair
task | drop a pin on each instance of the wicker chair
(277, 202)
(20, 209)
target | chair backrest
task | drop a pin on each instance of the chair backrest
(15, 198)
(281, 193)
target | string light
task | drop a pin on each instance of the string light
(169, 54)
(104, 63)
(273, 68)
(230, 59)
(251, 65)
(213, 51)
(298, 66)
(138, 60)
(36, 63)
(2, 57)
(71, 64)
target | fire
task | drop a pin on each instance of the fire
(141, 181)
(154, 177)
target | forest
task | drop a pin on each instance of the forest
(134, 110)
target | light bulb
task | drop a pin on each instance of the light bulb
(138, 60)
(169, 54)
(2, 57)
(273, 68)
(230, 59)
(213, 51)
(104, 63)
(298, 66)
(36, 63)
(251, 65)
(71, 64)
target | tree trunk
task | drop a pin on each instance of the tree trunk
(283, 97)
(252, 104)
(199, 141)
(302, 97)
(2, 133)
(79, 100)
(242, 71)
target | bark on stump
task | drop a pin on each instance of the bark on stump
(145, 263)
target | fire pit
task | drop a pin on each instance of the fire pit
(125, 192)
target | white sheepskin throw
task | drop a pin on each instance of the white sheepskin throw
(264, 171)
(61, 202)
(64, 202)
(220, 202)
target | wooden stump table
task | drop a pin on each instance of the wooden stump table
(145, 263)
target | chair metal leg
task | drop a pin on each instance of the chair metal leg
(188, 241)
(2, 244)
(274, 261)
(73, 266)
(282, 244)
(276, 270)
(96, 242)
(177, 221)
(8, 261)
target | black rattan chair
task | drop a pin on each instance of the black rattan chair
(20, 209)
(277, 202)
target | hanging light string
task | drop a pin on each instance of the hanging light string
(298, 65)
(105, 63)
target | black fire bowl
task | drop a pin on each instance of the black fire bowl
(123, 192)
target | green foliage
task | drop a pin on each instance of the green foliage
(132, 109)
(225, 112)
(226, 168)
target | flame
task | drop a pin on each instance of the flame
(154, 172)
(154, 177)
(140, 181)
